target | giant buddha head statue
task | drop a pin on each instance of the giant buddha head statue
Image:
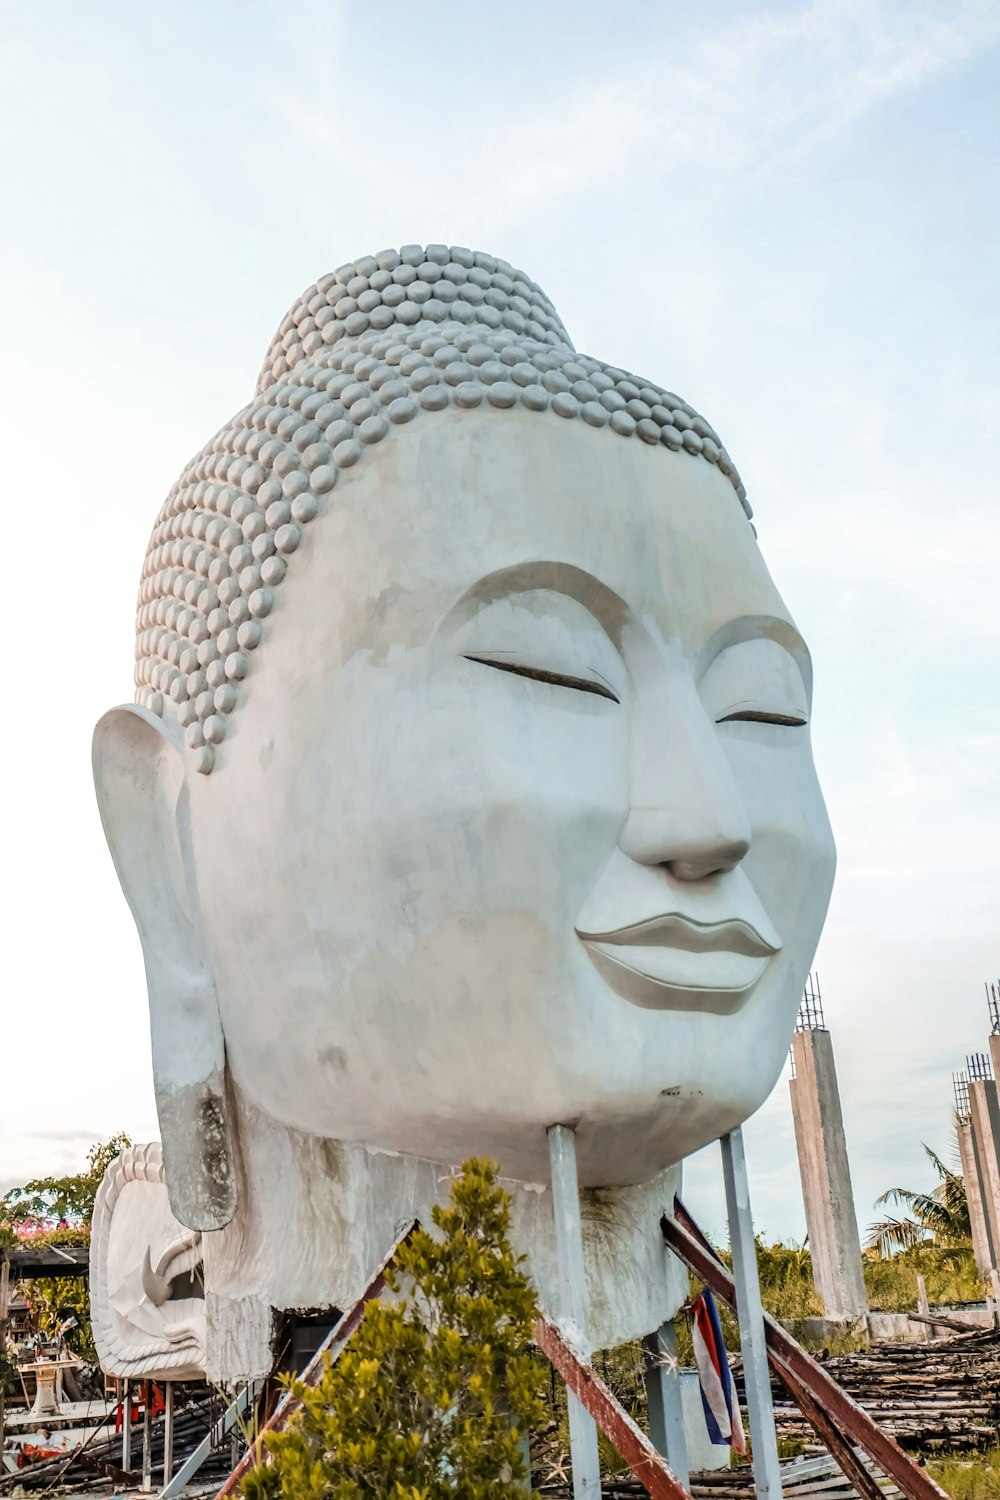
(468, 788)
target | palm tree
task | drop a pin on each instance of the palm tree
(940, 1217)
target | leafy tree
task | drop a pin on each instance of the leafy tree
(48, 1201)
(940, 1217)
(32, 1212)
(431, 1395)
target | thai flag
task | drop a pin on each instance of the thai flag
(722, 1410)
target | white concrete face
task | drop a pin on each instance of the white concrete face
(400, 850)
(510, 821)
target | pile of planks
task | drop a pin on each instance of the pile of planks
(942, 1395)
(95, 1466)
(801, 1479)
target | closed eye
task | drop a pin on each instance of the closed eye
(756, 716)
(559, 679)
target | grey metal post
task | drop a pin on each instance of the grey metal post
(168, 1434)
(569, 1251)
(4, 1310)
(212, 1439)
(766, 1469)
(525, 1447)
(147, 1439)
(663, 1399)
(127, 1427)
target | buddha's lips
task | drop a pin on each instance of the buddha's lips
(674, 962)
(673, 930)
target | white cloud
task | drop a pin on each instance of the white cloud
(707, 115)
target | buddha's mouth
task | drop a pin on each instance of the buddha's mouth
(673, 962)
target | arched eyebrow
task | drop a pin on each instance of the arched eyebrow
(759, 628)
(608, 609)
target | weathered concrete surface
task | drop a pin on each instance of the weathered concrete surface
(885, 1326)
(995, 1054)
(986, 1132)
(982, 1239)
(826, 1177)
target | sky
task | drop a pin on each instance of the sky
(788, 212)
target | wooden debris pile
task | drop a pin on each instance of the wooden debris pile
(801, 1479)
(943, 1395)
(95, 1467)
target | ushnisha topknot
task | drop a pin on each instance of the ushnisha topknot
(369, 347)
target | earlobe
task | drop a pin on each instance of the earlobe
(142, 792)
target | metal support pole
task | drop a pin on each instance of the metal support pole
(215, 1437)
(750, 1313)
(234, 1436)
(168, 1433)
(4, 1311)
(524, 1444)
(569, 1252)
(147, 1439)
(663, 1399)
(126, 1426)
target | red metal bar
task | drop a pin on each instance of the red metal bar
(648, 1466)
(840, 1448)
(333, 1345)
(822, 1424)
(800, 1372)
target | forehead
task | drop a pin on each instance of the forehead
(452, 500)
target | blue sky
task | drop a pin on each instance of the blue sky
(788, 213)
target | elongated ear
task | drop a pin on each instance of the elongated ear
(142, 792)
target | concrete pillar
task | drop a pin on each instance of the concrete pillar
(982, 1239)
(995, 1053)
(985, 1119)
(834, 1243)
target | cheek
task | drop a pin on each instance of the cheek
(792, 856)
(397, 797)
(495, 794)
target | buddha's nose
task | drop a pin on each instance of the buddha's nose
(686, 811)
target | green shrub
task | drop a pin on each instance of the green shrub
(433, 1392)
(786, 1281)
(68, 1200)
(950, 1275)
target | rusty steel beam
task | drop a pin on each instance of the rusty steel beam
(648, 1466)
(801, 1373)
(333, 1346)
(839, 1447)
